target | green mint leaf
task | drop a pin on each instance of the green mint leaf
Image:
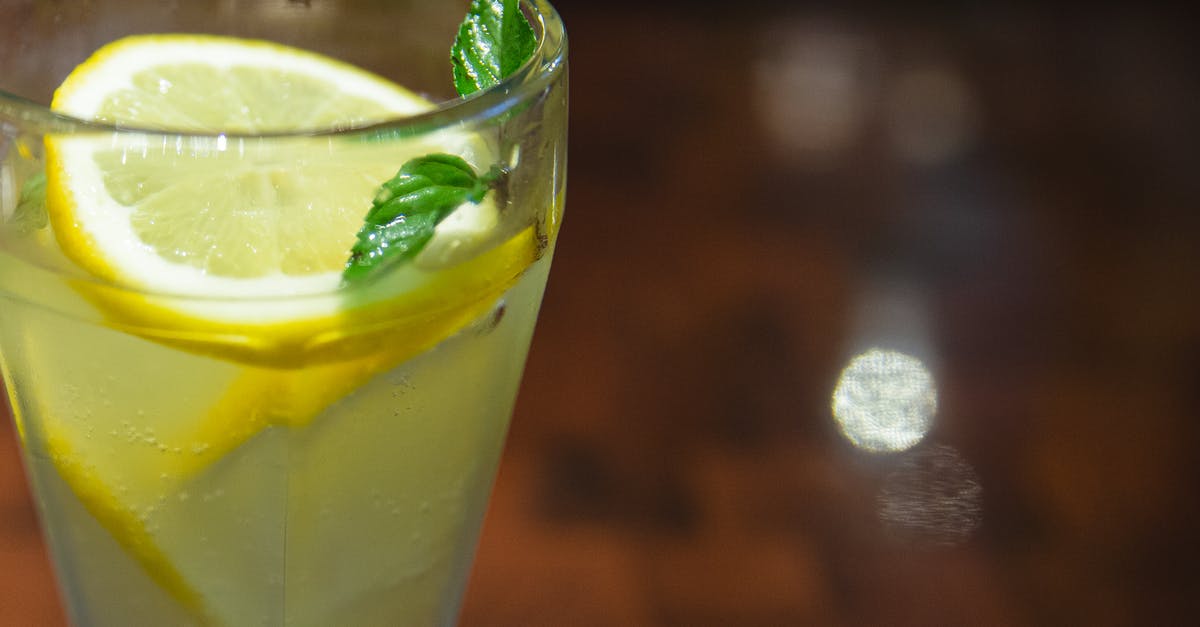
(409, 207)
(494, 41)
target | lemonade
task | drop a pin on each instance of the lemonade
(366, 515)
(220, 425)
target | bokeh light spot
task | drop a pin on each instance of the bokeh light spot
(884, 401)
(931, 116)
(814, 85)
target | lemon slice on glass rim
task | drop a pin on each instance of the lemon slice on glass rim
(218, 241)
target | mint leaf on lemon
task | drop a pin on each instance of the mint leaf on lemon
(493, 42)
(409, 207)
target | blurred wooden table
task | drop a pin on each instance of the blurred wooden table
(758, 196)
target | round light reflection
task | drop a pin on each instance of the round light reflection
(884, 401)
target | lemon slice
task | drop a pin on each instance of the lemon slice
(212, 216)
(232, 246)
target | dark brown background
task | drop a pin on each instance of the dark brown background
(760, 193)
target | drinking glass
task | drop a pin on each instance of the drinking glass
(260, 472)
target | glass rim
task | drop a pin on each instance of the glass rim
(546, 63)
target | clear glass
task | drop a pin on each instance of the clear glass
(250, 470)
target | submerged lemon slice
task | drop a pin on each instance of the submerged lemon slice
(232, 248)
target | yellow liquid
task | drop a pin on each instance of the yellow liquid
(365, 513)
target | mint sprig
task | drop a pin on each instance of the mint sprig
(493, 41)
(409, 207)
